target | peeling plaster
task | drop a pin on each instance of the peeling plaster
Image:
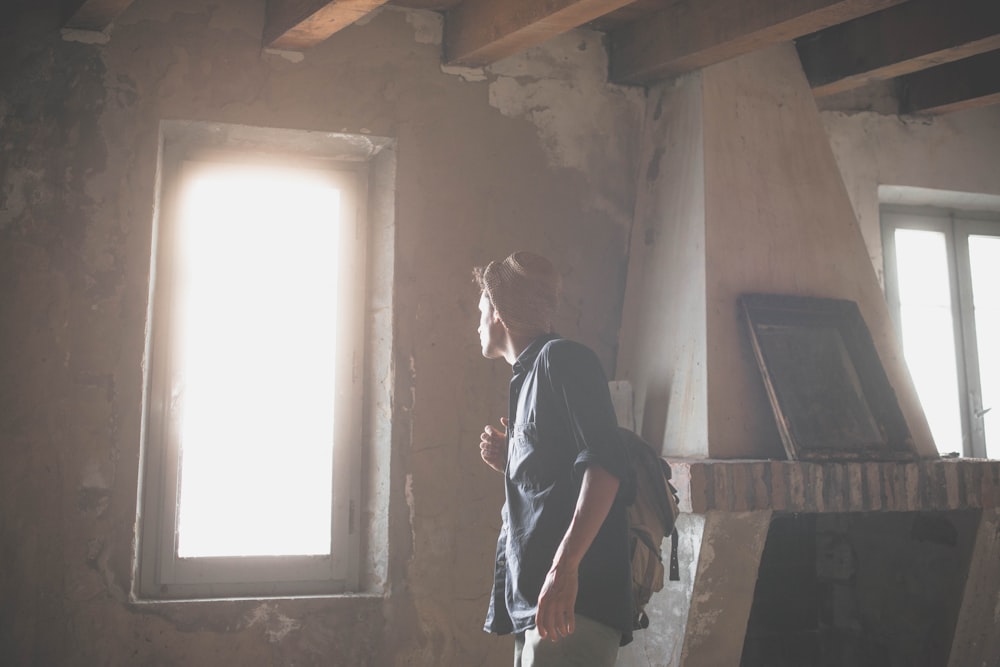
(277, 626)
(550, 85)
(413, 384)
(85, 36)
(428, 26)
(411, 507)
(99, 559)
(290, 56)
(470, 74)
(14, 193)
(92, 477)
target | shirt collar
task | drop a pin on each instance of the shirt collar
(526, 359)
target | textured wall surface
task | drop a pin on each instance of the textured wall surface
(535, 153)
(663, 315)
(738, 168)
(774, 218)
(959, 152)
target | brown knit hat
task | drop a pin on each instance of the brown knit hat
(524, 290)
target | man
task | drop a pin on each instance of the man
(562, 580)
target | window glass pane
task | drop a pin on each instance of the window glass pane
(928, 331)
(984, 258)
(255, 326)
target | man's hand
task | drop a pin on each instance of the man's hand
(493, 446)
(554, 618)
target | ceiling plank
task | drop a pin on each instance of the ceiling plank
(92, 14)
(479, 32)
(299, 24)
(691, 34)
(435, 5)
(634, 11)
(898, 41)
(954, 86)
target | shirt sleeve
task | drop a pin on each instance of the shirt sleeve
(579, 384)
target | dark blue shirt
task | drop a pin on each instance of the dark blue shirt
(561, 421)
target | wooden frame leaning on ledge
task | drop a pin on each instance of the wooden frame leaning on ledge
(831, 398)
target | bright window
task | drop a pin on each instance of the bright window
(256, 336)
(254, 392)
(942, 275)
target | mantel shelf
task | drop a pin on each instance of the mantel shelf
(794, 486)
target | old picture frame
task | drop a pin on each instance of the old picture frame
(828, 389)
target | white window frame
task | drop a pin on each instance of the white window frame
(159, 573)
(956, 226)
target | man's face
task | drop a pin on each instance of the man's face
(491, 329)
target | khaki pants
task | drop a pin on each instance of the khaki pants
(592, 644)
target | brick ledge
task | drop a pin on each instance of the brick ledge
(796, 486)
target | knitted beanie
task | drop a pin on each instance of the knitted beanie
(524, 290)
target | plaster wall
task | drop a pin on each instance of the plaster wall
(954, 153)
(535, 152)
(663, 321)
(775, 218)
(781, 222)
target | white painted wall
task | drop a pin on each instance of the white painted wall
(663, 322)
(749, 182)
(958, 152)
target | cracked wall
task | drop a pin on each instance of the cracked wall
(487, 161)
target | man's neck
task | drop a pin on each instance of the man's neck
(516, 344)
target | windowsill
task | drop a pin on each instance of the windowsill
(360, 596)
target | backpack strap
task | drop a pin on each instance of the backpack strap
(675, 570)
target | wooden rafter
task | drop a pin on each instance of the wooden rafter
(92, 14)
(691, 34)
(898, 41)
(300, 24)
(479, 32)
(962, 84)
(436, 5)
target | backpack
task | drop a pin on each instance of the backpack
(652, 514)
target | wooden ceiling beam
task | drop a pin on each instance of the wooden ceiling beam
(296, 25)
(691, 34)
(480, 32)
(954, 86)
(898, 41)
(92, 14)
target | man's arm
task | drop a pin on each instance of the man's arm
(555, 618)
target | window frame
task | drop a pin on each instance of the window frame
(159, 573)
(956, 226)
